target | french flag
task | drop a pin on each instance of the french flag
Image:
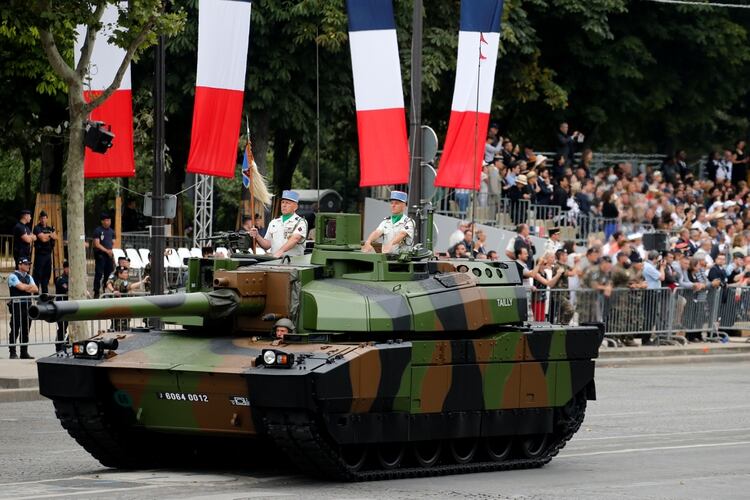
(478, 39)
(117, 110)
(223, 36)
(379, 97)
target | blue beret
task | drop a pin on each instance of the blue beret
(290, 195)
(400, 196)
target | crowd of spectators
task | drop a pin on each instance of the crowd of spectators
(704, 218)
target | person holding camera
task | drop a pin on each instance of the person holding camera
(43, 246)
(566, 143)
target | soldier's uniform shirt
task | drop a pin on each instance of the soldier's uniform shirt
(392, 229)
(594, 275)
(279, 232)
(552, 246)
(620, 277)
(120, 285)
(562, 283)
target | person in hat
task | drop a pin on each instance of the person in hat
(286, 234)
(21, 286)
(397, 230)
(43, 246)
(283, 327)
(553, 243)
(22, 236)
(104, 241)
(61, 293)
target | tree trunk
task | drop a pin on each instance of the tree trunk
(75, 189)
(26, 157)
(50, 177)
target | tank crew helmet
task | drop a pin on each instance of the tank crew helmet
(399, 196)
(284, 323)
(290, 196)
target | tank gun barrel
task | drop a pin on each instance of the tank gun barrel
(217, 304)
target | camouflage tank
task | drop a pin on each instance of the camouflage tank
(393, 367)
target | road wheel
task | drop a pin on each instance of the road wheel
(498, 448)
(354, 456)
(427, 453)
(463, 450)
(534, 446)
(390, 455)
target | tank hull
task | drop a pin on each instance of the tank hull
(471, 401)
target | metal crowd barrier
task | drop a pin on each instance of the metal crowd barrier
(662, 313)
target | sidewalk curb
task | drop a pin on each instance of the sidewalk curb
(20, 395)
(670, 360)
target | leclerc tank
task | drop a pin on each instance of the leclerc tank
(395, 368)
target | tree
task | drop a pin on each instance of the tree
(57, 23)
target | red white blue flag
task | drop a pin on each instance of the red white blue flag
(117, 110)
(478, 39)
(223, 36)
(379, 96)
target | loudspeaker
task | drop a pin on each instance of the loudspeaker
(655, 241)
(97, 139)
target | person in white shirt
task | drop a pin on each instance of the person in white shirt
(458, 234)
(286, 234)
(397, 230)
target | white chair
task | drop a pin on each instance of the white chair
(144, 253)
(135, 260)
(118, 253)
(196, 252)
(172, 259)
(184, 254)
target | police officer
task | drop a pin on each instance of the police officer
(21, 286)
(286, 234)
(22, 237)
(43, 245)
(397, 230)
(283, 327)
(104, 240)
(61, 292)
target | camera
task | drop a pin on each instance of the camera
(48, 230)
(747, 274)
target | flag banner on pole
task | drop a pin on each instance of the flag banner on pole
(117, 110)
(379, 97)
(478, 39)
(223, 36)
(245, 171)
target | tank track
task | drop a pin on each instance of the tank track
(114, 442)
(299, 437)
(86, 423)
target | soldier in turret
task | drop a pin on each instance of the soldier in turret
(283, 327)
(286, 234)
(397, 230)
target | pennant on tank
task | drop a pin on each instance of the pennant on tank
(117, 110)
(223, 36)
(478, 40)
(379, 97)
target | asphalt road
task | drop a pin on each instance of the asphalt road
(676, 431)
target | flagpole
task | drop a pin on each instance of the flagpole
(475, 189)
(415, 177)
(250, 160)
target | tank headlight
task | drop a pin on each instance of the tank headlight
(275, 359)
(269, 357)
(92, 348)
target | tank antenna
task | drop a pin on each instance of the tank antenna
(317, 120)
